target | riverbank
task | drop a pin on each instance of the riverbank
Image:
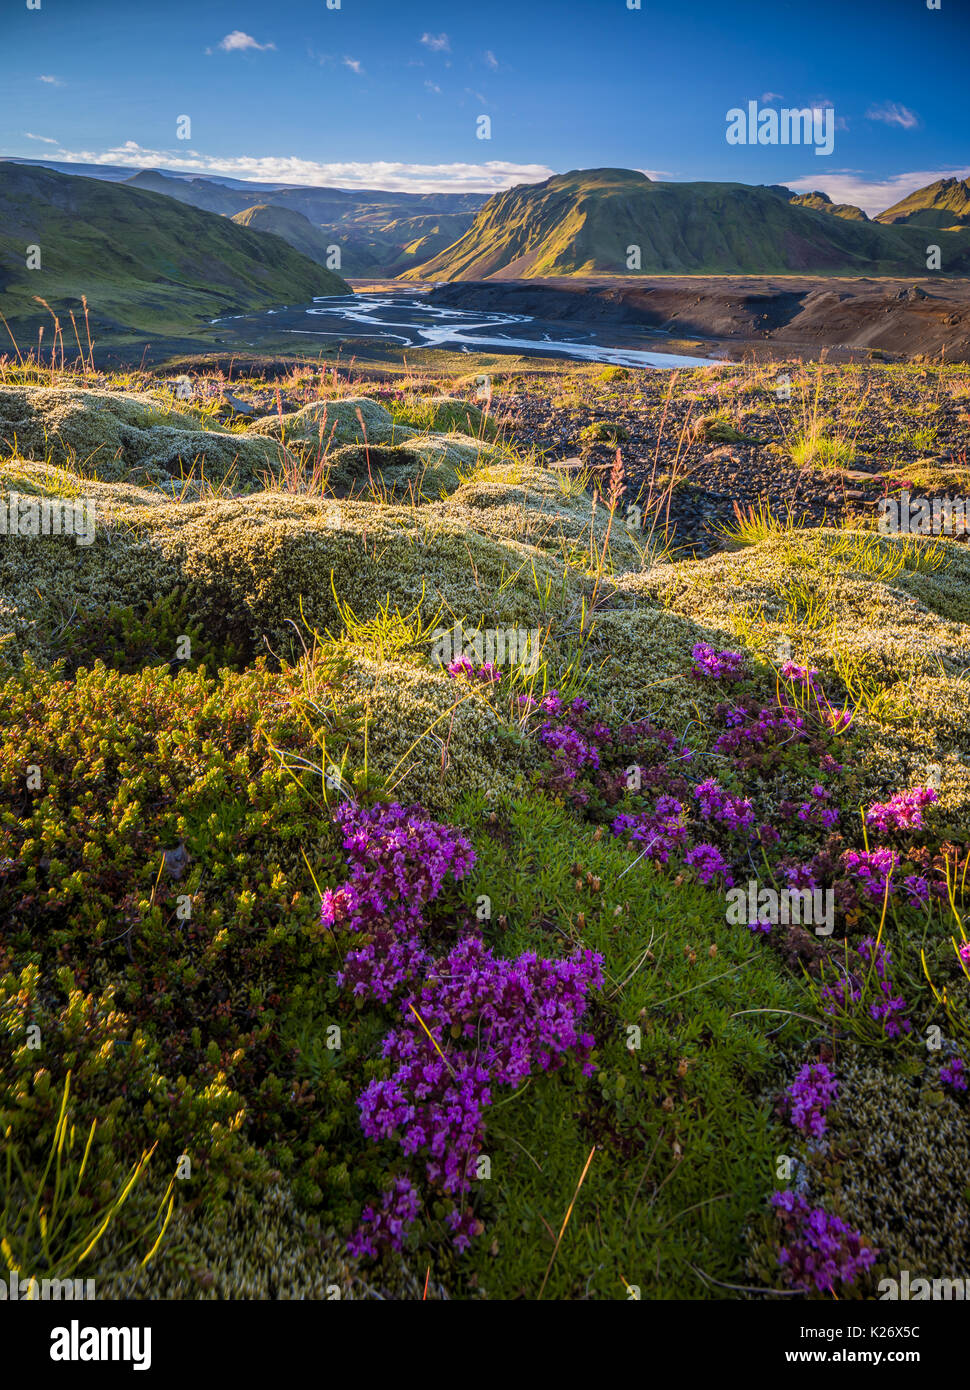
(750, 316)
(414, 320)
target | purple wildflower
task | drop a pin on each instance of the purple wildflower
(953, 1075)
(888, 1008)
(904, 811)
(386, 1227)
(820, 1248)
(811, 1093)
(709, 863)
(715, 804)
(717, 665)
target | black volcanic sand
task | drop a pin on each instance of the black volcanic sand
(759, 316)
(718, 476)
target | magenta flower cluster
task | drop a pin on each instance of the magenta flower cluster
(953, 1074)
(570, 750)
(717, 665)
(904, 811)
(814, 1089)
(709, 864)
(716, 805)
(871, 870)
(589, 766)
(386, 1224)
(888, 1008)
(661, 832)
(487, 674)
(819, 1249)
(815, 811)
(398, 861)
(759, 731)
(801, 675)
(499, 1020)
(476, 1023)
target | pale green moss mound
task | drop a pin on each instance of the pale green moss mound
(113, 436)
(887, 1122)
(894, 641)
(435, 739)
(257, 1248)
(496, 545)
(351, 420)
(449, 413)
(248, 565)
(423, 467)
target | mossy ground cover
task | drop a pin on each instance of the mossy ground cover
(683, 1147)
(187, 702)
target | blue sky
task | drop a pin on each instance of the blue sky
(384, 94)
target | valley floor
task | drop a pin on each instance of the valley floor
(745, 316)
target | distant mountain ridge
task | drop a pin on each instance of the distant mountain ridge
(618, 221)
(398, 244)
(378, 233)
(320, 205)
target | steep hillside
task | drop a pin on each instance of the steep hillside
(418, 239)
(584, 222)
(945, 203)
(821, 202)
(293, 227)
(145, 262)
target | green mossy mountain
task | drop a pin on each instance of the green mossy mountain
(821, 202)
(295, 229)
(145, 262)
(584, 222)
(945, 203)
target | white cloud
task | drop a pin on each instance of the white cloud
(354, 65)
(893, 114)
(432, 87)
(46, 138)
(872, 195)
(53, 81)
(771, 96)
(237, 42)
(438, 43)
(490, 177)
(490, 58)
